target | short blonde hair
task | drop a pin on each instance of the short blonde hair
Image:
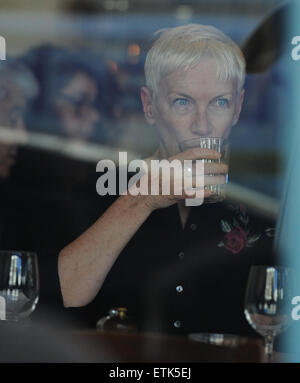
(183, 47)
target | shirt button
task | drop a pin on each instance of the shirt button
(177, 324)
(181, 255)
(193, 227)
(179, 289)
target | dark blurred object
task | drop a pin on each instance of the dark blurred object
(268, 42)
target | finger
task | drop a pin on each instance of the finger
(200, 182)
(214, 180)
(213, 168)
(205, 180)
(154, 156)
(206, 168)
(197, 153)
(192, 194)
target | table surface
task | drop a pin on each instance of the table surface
(43, 344)
(154, 347)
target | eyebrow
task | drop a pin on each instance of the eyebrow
(180, 94)
(224, 94)
(187, 96)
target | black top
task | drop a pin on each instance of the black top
(171, 280)
(181, 281)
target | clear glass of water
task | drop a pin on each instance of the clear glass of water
(214, 143)
(19, 284)
(267, 299)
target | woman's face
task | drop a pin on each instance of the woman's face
(77, 112)
(192, 104)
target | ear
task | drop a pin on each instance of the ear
(239, 107)
(147, 105)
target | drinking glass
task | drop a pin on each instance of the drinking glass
(220, 145)
(267, 298)
(19, 284)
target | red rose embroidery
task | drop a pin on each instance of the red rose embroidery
(235, 240)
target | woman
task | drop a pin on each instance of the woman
(174, 267)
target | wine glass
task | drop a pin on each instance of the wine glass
(19, 284)
(267, 299)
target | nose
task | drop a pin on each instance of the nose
(201, 125)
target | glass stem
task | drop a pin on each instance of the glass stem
(269, 342)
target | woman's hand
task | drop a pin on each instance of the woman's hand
(157, 181)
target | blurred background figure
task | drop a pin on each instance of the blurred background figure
(75, 106)
(17, 85)
(76, 93)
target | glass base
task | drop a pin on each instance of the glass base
(218, 193)
(12, 318)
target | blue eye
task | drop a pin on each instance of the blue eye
(181, 101)
(222, 102)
